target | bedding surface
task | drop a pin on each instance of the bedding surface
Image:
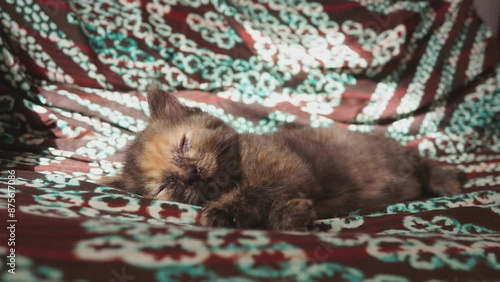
(73, 76)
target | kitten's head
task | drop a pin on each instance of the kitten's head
(183, 155)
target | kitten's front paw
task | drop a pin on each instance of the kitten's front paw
(226, 215)
(294, 215)
(213, 216)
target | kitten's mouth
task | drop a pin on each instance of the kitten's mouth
(205, 191)
(195, 193)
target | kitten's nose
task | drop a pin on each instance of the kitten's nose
(192, 175)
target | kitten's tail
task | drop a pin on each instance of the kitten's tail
(440, 180)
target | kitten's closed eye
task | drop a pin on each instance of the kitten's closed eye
(168, 182)
(184, 143)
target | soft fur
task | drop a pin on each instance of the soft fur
(280, 181)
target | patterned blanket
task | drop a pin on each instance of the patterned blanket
(72, 81)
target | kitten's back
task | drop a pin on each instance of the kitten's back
(355, 169)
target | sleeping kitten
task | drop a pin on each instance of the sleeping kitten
(280, 181)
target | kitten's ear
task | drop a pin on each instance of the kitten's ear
(112, 181)
(163, 104)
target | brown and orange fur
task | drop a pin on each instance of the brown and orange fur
(279, 181)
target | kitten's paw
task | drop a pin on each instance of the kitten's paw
(215, 217)
(294, 215)
(225, 215)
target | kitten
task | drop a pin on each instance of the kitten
(280, 181)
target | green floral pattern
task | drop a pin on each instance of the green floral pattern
(72, 97)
